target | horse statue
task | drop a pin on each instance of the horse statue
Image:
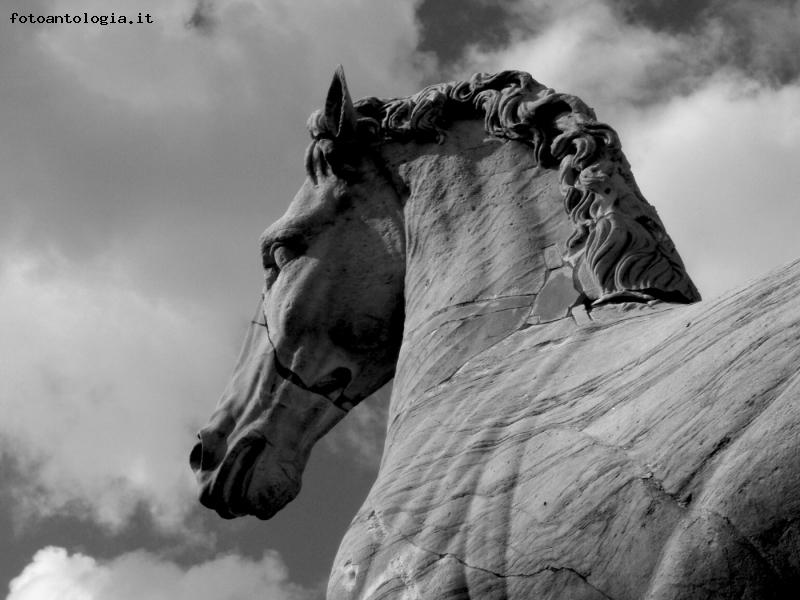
(567, 421)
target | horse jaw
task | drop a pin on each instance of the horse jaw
(252, 453)
(261, 472)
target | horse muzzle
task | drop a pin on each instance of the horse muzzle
(247, 480)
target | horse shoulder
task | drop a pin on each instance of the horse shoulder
(646, 450)
(741, 537)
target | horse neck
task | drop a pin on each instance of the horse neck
(485, 233)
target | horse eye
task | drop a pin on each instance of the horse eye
(281, 254)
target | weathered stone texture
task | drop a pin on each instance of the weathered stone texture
(655, 448)
(561, 426)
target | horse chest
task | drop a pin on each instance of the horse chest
(510, 515)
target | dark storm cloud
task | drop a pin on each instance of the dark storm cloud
(202, 18)
(449, 26)
(666, 15)
(761, 39)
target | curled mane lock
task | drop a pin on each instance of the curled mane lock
(618, 248)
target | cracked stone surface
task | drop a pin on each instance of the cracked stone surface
(542, 445)
(653, 454)
(562, 424)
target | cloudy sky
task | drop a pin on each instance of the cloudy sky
(140, 163)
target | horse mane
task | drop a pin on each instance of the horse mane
(618, 248)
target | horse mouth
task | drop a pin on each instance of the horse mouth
(226, 489)
(249, 481)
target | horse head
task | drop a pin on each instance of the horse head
(327, 330)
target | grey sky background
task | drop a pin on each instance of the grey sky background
(140, 163)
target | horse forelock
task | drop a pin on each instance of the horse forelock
(562, 132)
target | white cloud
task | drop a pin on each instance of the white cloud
(585, 49)
(54, 574)
(103, 389)
(720, 166)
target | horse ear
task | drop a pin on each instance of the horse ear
(339, 111)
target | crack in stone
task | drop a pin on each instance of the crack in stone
(524, 325)
(397, 563)
(467, 361)
(545, 569)
(458, 305)
(650, 481)
(409, 582)
(479, 315)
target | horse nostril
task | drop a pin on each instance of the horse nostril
(196, 456)
(208, 453)
(343, 376)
